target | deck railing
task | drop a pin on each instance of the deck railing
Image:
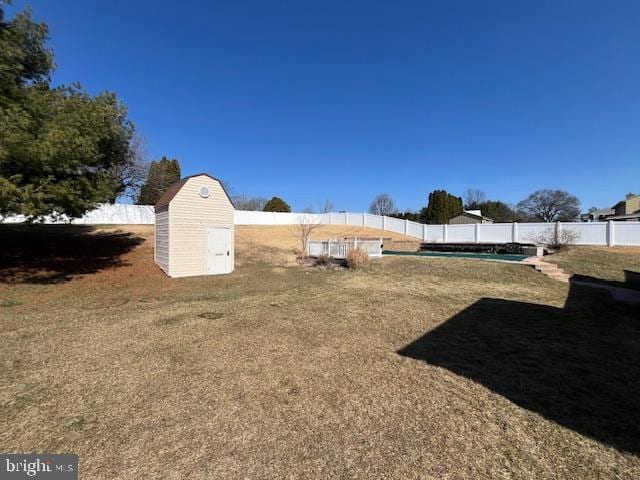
(340, 248)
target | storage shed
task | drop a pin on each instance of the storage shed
(194, 228)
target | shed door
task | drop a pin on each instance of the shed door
(219, 250)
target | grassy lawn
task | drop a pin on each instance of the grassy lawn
(617, 265)
(415, 368)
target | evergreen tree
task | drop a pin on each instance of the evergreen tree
(497, 211)
(60, 148)
(276, 204)
(161, 175)
(442, 206)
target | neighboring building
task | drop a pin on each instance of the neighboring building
(631, 204)
(598, 215)
(627, 209)
(469, 216)
(195, 228)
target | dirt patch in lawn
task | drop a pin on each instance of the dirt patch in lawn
(415, 368)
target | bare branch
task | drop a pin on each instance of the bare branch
(306, 223)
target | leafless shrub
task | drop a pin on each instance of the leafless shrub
(557, 238)
(357, 259)
(323, 260)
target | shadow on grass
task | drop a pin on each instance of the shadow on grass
(578, 366)
(43, 254)
(631, 280)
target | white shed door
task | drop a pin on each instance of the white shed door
(219, 250)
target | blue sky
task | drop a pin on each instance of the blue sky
(343, 100)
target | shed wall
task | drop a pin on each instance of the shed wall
(191, 216)
(161, 250)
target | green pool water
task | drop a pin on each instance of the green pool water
(482, 256)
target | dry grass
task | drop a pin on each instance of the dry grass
(620, 265)
(415, 368)
(280, 245)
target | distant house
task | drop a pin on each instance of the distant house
(469, 216)
(598, 215)
(627, 209)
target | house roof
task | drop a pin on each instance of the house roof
(473, 215)
(174, 188)
(625, 217)
(603, 211)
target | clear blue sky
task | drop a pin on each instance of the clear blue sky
(342, 100)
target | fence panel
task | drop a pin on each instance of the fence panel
(626, 233)
(435, 234)
(355, 219)
(593, 233)
(495, 232)
(414, 229)
(336, 218)
(394, 225)
(530, 232)
(461, 233)
(374, 221)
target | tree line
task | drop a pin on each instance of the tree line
(540, 206)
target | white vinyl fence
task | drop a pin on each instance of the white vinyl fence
(587, 233)
(105, 214)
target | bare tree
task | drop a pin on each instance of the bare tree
(328, 206)
(306, 223)
(133, 173)
(245, 202)
(382, 205)
(551, 205)
(473, 196)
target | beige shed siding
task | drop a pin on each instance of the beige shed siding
(191, 216)
(162, 240)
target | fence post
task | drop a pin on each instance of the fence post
(556, 232)
(424, 232)
(330, 218)
(384, 222)
(514, 232)
(476, 233)
(346, 218)
(610, 228)
(444, 233)
(364, 219)
(406, 226)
